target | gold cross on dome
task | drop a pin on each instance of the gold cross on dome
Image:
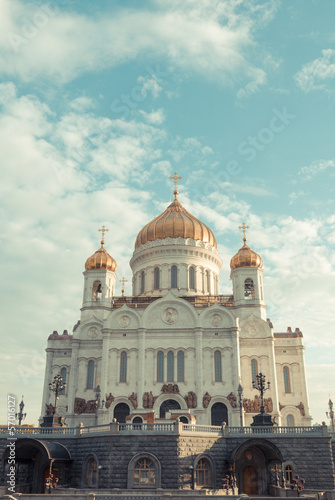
(175, 178)
(244, 227)
(103, 230)
(123, 281)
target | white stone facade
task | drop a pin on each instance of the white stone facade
(179, 341)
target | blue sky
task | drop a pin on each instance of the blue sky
(101, 103)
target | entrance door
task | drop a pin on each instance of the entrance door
(250, 480)
(121, 411)
(168, 405)
(219, 414)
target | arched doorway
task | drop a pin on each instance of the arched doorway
(250, 480)
(219, 414)
(168, 405)
(121, 411)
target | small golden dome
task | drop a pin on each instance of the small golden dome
(175, 222)
(101, 260)
(246, 257)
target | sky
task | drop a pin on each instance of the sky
(100, 102)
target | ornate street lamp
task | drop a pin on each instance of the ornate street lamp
(330, 414)
(240, 392)
(20, 416)
(260, 385)
(57, 386)
(98, 403)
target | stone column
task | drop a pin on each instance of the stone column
(198, 367)
(73, 379)
(303, 382)
(106, 333)
(141, 366)
(236, 360)
(273, 378)
(47, 379)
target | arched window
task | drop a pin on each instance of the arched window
(97, 291)
(180, 366)
(249, 289)
(202, 473)
(63, 374)
(289, 474)
(144, 474)
(142, 281)
(123, 367)
(183, 419)
(254, 370)
(217, 366)
(287, 382)
(219, 414)
(174, 277)
(121, 411)
(91, 472)
(160, 367)
(90, 374)
(290, 421)
(168, 405)
(156, 278)
(170, 366)
(191, 278)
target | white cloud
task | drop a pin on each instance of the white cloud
(155, 117)
(316, 168)
(318, 74)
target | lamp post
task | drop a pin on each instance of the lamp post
(261, 386)
(20, 416)
(98, 403)
(57, 386)
(330, 414)
(240, 392)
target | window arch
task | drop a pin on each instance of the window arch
(174, 277)
(180, 366)
(254, 370)
(288, 474)
(142, 281)
(91, 472)
(287, 381)
(191, 278)
(63, 374)
(249, 289)
(218, 366)
(123, 367)
(97, 290)
(156, 278)
(90, 374)
(202, 473)
(170, 366)
(160, 366)
(144, 471)
(290, 421)
(219, 414)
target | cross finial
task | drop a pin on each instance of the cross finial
(103, 230)
(244, 227)
(175, 178)
(123, 281)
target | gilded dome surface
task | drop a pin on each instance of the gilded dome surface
(175, 222)
(246, 257)
(101, 260)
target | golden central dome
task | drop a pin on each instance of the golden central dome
(246, 257)
(175, 222)
(100, 260)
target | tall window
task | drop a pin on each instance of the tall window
(254, 370)
(191, 278)
(142, 281)
(180, 366)
(91, 472)
(156, 278)
(160, 367)
(144, 474)
(217, 366)
(174, 277)
(208, 282)
(289, 473)
(123, 367)
(170, 366)
(287, 382)
(290, 421)
(202, 473)
(90, 375)
(249, 289)
(63, 375)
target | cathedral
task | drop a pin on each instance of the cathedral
(176, 348)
